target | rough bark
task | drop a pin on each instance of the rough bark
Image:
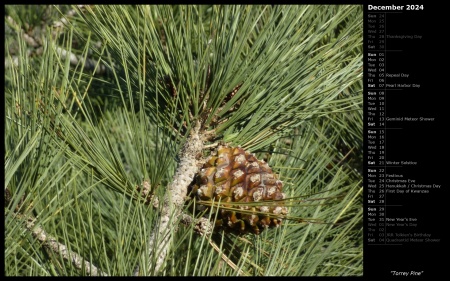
(51, 243)
(171, 212)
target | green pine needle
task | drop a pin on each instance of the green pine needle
(100, 99)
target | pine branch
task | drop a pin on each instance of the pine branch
(69, 14)
(51, 243)
(31, 40)
(161, 238)
(299, 71)
(202, 226)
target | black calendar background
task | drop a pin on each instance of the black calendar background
(426, 61)
(421, 142)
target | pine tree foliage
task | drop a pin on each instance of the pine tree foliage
(100, 101)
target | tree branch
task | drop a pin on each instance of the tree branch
(203, 227)
(89, 64)
(161, 237)
(51, 243)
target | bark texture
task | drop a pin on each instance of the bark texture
(171, 212)
(52, 243)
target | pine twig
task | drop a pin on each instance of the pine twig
(51, 243)
(89, 63)
(203, 227)
(226, 259)
(69, 14)
(171, 211)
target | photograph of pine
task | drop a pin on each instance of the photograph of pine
(210, 140)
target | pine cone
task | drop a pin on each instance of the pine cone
(236, 176)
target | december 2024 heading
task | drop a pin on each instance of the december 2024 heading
(394, 8)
